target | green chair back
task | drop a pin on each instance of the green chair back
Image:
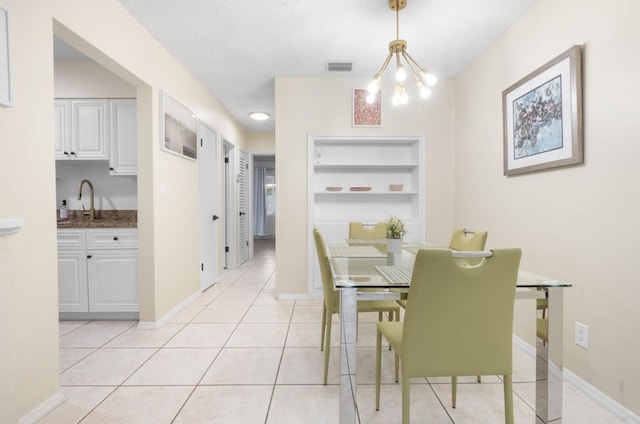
(459, 318)
(462, 239)
(358, 230)
(331, 296)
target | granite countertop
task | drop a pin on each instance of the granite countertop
(105, 219)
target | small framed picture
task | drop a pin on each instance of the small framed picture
(366, 114)
(543, 117)
(178, 129)
(6, 93)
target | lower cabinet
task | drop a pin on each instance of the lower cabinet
(113, 280)
(72, 281)
(98, 270)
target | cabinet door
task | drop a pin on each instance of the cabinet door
(62, 119)
(88, 129)
(123, 141)
(113, 280)
(72, 281)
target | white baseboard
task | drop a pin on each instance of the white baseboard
(154, 325)
(611, 405)
(293, 296)
(602, 399)
(42, 409)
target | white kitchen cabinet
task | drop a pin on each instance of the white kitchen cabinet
(72, 270)
(123, 144)
(113, 280)
(89, 128)
(98, 270)
(349, 179)
(72, 281)
(62, 119)
(81, 129)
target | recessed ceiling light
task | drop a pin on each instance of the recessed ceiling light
(259, 116)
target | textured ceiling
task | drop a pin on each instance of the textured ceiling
(237, 47)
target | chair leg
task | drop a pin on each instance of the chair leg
(508, 399)
(391, 314)
(454, 391)
(397, 365)
(378, 366)
(324, 325)
(327, 345)
(406, 401)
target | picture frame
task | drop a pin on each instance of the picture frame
(365, 114)
(6, 65)
(178, 128)
(542, 117)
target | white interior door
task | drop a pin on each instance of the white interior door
(243, 208)
(208, 208)
(230, 205)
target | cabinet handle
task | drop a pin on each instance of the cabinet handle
(111, 168)
(73, 153)
(115, 238)
(88, 256)
(65, 153)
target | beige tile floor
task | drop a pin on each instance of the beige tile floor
(239, 355)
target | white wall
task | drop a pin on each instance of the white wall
(111, 192)
(323, 106)
(87, 79)
(168, 253)
(578, 224)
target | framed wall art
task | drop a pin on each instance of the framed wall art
(178, 128)
(366, 114)
(543, 117)
(6, 93)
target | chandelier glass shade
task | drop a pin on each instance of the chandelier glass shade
(398, 49)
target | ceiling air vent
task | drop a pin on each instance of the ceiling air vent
(339, 66)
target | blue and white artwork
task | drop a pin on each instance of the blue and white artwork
(537, 120)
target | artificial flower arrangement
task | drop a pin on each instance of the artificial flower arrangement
(395, 228)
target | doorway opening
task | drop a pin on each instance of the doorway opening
(264, 197)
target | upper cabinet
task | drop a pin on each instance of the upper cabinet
(97, 129)
(81, 131)
(123, 146)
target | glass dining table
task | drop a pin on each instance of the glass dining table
(358, 265)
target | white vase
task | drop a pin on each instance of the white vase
(394, 245)
(394, 251)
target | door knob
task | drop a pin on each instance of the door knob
(216, 217)
(242, 213)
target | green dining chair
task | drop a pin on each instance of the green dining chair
(458, 322)
(463, 240)
(331, 303)
(360, 231)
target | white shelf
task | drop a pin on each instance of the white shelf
(10, 226)
(364, 167)
(362, 161)
(361, 193)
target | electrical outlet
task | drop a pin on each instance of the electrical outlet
(582, 335)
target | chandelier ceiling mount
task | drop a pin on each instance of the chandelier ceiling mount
(398, 48)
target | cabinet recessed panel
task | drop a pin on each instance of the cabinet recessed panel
(72, 281)
(113, 281)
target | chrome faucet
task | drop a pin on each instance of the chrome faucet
(91, 212)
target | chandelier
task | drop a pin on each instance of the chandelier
(398, 47)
